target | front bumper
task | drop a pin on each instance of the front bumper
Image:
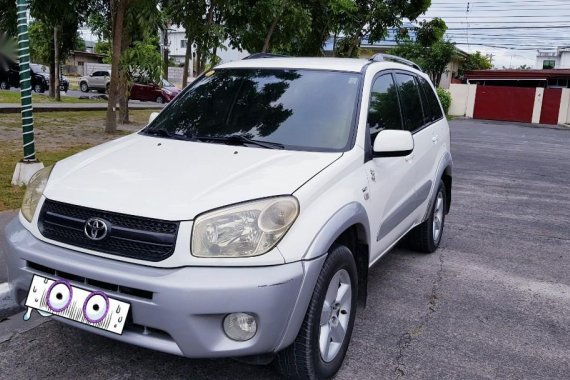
(178, 310)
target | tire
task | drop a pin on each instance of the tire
(4, 85)
(107, 88)
(305, 359)
(84, 87)
(160, 99)
(426, 237)
(39, 88)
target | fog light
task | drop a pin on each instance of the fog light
(240, 326)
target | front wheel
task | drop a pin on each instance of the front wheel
(4, 85)
(427, 236)
(84, 87)
(39, 88)
(320, 347)
(160, 99)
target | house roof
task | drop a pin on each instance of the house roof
(88, 54)
(517, 74)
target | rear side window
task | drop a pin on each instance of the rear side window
(410, 102)
(384, 108)
(431, 104)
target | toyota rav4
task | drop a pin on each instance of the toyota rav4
(243, 219)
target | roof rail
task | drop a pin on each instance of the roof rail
(380, 57)
(263, 55)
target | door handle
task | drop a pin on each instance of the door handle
(410, 158)
(435, 139)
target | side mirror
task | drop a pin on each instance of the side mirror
(152, 117)
(393, 143)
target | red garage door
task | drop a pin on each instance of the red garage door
(504, 103)
(550, 106)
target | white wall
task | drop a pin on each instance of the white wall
(462, 99)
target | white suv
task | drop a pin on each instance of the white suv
(98, 80)
(243, 219)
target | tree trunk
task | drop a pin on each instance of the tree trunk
(118, 13)
(52, 70)
(187, 61)
(123, 87)
(270, 34)
(334, 44)
(56, 73)
(165, 52)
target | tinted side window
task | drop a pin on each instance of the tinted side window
(428, 115)
(96, 73)
(432, 101)
(410, 101)
(384, 109)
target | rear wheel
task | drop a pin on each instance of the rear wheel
(427, 236)
(320, 347)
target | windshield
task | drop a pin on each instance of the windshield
(166, 83)
(298, 109)
(39, 69)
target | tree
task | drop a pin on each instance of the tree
(475, 61)
(268, 25)
(142, 62)
(63, 17)
(372, 19)
(203, 21)
(429, 50)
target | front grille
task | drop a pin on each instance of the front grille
(98, 284)
(129, 236)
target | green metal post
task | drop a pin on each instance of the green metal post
(25, 82)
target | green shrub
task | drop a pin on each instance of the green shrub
(445, 98)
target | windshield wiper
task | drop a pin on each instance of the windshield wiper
(165, 133)
(239, 139)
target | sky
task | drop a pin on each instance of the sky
(512, 31)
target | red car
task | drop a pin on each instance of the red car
(152, 92)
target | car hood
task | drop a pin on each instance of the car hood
(177, 180)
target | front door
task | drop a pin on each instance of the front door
(390, 184)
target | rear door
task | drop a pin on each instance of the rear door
(422, 120)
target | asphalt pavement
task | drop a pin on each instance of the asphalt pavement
(492, 303)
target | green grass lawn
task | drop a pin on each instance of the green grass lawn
(14, 97)
(57, 135)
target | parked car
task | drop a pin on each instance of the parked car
(39, 75)
(98, 80)
(152, 92)
(243, 219)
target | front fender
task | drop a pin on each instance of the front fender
(349, 215)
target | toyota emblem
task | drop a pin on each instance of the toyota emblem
(96, 229)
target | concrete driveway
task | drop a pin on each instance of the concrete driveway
(492, 303)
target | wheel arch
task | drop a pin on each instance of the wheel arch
(348, 226)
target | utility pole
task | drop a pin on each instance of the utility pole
(29, 165)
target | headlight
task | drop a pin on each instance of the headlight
(34, 192)
(167, 92)
(244, 230)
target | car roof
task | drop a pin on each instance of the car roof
(315, 63)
